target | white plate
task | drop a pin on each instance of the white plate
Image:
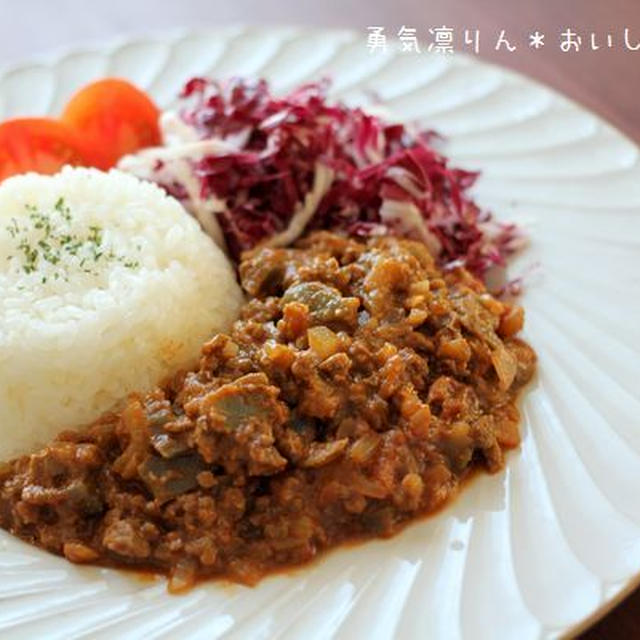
(531, 552)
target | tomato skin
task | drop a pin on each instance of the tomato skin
(43, 145)
(114, 118)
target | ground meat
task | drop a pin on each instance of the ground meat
(357, 390)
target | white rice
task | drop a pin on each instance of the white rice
(73, 344)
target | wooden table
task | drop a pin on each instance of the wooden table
(606, 80)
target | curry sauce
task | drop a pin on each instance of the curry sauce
(355, 392)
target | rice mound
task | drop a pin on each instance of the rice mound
(78, 334)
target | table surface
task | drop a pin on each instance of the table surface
(606, 80)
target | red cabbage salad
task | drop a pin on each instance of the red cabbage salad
(258, 169)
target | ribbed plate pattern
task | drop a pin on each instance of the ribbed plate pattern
(528, 553)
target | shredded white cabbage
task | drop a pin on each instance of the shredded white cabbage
(322, 179)
(172, 162)
(407, 219)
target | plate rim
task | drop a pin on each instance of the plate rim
(53, 56)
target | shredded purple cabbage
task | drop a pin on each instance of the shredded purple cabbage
(384, 178)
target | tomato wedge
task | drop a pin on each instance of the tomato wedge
(43, 145)
(114, 118)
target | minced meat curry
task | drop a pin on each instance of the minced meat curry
(359, 387)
